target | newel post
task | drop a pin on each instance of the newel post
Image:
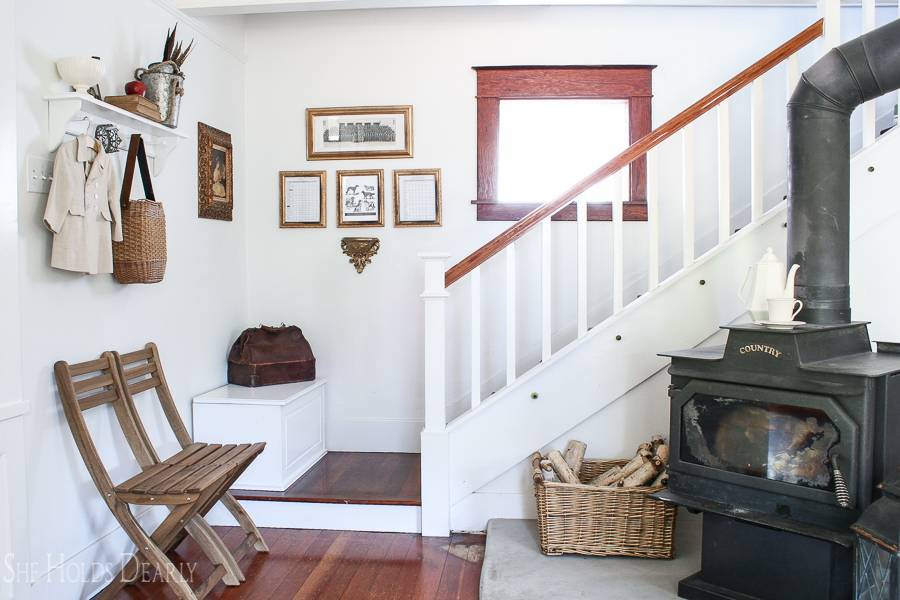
(435, 442)
(435, 297)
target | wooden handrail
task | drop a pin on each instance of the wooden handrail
(636, 150)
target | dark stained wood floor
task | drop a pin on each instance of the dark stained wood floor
(308, 564)
(354, 478)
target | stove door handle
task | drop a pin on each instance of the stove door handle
(840, 488)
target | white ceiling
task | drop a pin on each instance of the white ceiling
(244, 7)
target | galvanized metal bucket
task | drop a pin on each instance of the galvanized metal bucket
(164, 87)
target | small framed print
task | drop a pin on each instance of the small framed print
(360, 198)
(214, 173)
(302, 198)
(359, 132)
(417, 198)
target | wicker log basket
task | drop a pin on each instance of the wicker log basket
(603, 521)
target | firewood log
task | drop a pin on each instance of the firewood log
(536, 459)
(547, 471)
(565, 473)
(606, 478)
(661, 479)
(656, 441)
(635, 463)
(645, 474)
(662, 453)
(575, 455)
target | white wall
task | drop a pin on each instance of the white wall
(14, 546)
(366, 329)
(193, 315)
(11, 365)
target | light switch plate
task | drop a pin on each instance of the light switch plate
(39, 173)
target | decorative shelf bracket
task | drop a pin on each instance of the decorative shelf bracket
(162, 148)
(360, 251)
(67, 107)
(60, 114)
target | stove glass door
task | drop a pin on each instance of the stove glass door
(777, 442)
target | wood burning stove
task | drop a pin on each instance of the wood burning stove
(781, 434)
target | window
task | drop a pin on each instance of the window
(543, 129)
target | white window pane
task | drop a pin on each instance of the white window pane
(547, 146)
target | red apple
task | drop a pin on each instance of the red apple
(135, 88)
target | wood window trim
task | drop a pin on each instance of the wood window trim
(607, 82)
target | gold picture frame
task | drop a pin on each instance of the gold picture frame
(360, 198)
(417, 198)
(359, 132)
(215, 181)
(303, 198)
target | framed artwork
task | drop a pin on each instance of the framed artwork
(417, 198)
(302, 198)
(360, 198)
(214, 173)
(359, 132)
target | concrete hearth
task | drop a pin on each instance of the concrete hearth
(514, 567)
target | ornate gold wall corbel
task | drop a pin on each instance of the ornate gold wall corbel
(360, 251)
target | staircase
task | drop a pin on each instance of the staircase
(473, 436)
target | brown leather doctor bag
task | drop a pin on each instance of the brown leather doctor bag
(271, 355)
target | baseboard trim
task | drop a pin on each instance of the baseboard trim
(474, 511)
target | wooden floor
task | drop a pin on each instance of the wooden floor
(354, 478)
(306, 564)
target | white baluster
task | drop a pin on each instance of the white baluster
(724, 173)
(793, 73)
(687, 189)
(756, 151)
(830, 10)
(510, 314)
(435, 297)
(581, 213)
(652, 220)
(546, 297)
(869, 125)
(618, 271)
(476, 337)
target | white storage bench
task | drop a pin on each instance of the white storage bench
(289, 417)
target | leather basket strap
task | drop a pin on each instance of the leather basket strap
(136, 154)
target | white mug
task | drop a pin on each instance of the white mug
(781, 310)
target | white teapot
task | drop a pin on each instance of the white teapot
(769, 282)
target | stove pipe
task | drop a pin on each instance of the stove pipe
(818, 122)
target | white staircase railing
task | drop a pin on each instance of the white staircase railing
(435, 447)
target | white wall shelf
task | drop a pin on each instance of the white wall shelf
(65, 110)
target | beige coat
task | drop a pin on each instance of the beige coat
(83, 209)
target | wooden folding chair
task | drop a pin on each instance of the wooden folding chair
(188, 483)
(134, 368)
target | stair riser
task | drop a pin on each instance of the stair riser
(318, 515)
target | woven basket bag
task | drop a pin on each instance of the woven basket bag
(141, 256)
